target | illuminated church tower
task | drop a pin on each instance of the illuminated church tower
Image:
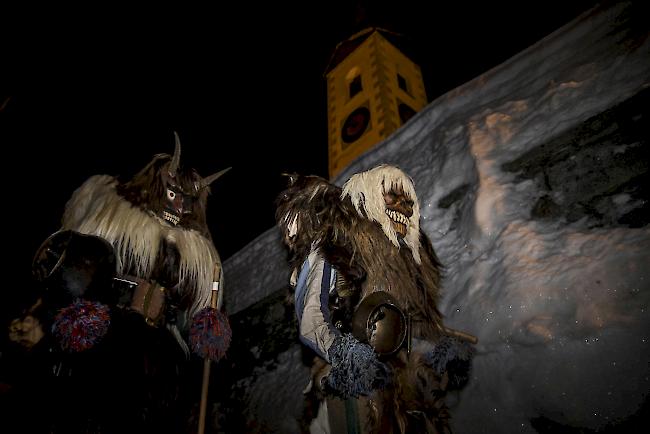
(372, 90)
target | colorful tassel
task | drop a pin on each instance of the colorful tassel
(210, 334)
(81, 325)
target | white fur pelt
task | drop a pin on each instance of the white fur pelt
(95, 208)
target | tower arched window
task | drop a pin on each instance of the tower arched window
(401, 83)
(355, 86)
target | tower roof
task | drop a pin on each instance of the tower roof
(344, 48)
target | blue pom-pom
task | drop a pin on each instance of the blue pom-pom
(356, 370)
(210, 334)
(453, 356)
(81, 325)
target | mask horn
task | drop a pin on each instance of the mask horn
(210, 179)
(176, 159)
(292, 178)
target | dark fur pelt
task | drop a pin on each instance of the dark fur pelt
(323, 219)
(359, 250)
(416, 403)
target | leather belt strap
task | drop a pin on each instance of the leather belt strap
(148, 297)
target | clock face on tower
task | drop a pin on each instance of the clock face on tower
(355, 124)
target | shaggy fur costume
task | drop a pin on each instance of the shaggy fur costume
(354, 234)
(182, 257)
(145, 246)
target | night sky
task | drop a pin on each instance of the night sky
(102, 91)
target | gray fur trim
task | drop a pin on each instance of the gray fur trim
(453, 356)
(356, 370)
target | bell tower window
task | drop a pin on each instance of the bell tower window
(401, 82)
(355, 86)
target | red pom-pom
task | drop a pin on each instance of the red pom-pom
(81, 325)
(210, 334)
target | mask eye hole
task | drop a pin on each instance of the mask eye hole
(171, 194)
(390, 198)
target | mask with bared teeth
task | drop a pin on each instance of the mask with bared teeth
(386, 195)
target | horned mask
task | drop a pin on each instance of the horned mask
(170, 192)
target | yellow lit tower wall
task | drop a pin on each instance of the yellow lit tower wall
(371, 93)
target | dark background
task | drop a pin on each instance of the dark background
(101, 91)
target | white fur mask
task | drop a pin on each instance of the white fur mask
(367, 189)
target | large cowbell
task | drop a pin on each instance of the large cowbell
(72, 265)
(379, 322)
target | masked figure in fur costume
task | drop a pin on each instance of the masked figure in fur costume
(134, 263)
(367, 283)
(157, 224)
